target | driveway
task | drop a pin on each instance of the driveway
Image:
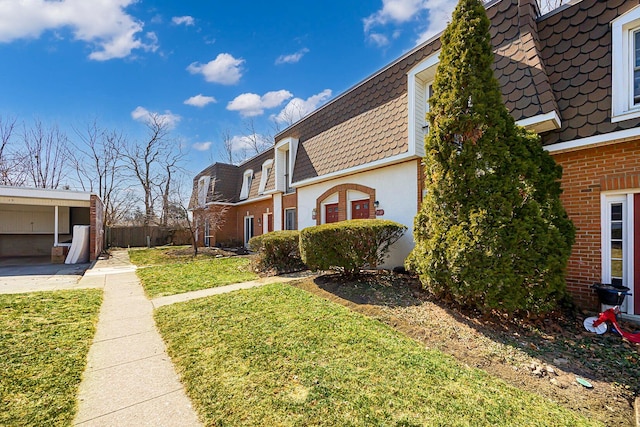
(32, 277)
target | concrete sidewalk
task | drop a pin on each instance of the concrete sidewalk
(129, 379)
(188, 296)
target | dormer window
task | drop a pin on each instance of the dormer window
(285, 155)
(203, 189)
(428, 92)
(420, 80)
(264, 176)
(625, 81)
(247, 179)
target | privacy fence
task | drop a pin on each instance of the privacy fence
(124, 237)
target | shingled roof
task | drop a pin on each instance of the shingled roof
(226, 179)
(369, 122)
(576, 48)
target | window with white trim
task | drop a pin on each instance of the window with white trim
(203, 189)
(264, 176)
(625, 79)
(420, 79)
(285, 155)
(247, 178)
(290, 219)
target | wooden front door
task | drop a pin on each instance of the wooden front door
(331, 213)
(360, 209)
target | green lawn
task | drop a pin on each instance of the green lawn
(44, 340)
(277, 355)
(176, 278)
(163, 255)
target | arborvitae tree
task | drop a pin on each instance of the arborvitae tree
(491, 232)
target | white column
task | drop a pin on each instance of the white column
(55, 227)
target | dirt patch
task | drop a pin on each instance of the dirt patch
(543, 355)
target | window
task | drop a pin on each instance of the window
(428, 93)
(203, 189)
(264, 176)
(636, 67)
(420, 79)
(247, 178)
(285, 155)
(290, 219)
(625, 94)
(287, 173)
(617, 243)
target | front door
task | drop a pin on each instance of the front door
(331, 213)
(360, 209)
(621, 246)
(248, 229)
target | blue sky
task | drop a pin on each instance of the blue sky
(210, 67)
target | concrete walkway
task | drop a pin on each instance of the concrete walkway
(188, 296)
(129, 379)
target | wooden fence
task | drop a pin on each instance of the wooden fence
(123, 237)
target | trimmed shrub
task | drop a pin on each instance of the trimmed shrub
(349, 246)
(278, 251)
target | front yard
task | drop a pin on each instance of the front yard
(44, 341)
(170, 271)
(285, 355)
(278, 355)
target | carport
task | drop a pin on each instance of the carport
(39, 222)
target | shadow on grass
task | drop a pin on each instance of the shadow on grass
(558, 341)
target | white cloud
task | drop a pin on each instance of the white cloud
(186, 20)
(105, 25)
(436, 14)
(200, 100)
(292, 58)
(439, 15)
(225, 69)
(202, 146)
(379, 40)
(297, 108)
(143, 115)
(398, 11)
(251, 104)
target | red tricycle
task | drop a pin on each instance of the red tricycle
(599, 324)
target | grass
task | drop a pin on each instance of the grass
(159, 256)
(44, 340)
(179, 277)
(278, 355)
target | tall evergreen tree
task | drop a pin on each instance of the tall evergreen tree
(491, 231)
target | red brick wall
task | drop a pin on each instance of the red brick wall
(289, 201)
(256, 210)
(586, 173)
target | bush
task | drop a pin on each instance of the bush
(278, 251)
(349, 246)
(491, 232)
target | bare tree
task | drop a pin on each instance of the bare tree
(226, 153)
(171, 166)
(255, 142)
(148, 162)
(45, 155)
(99, 167)
(9, 168)
(549, 5)
(195, 217)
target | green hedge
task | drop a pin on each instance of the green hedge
(277, 251)
(349, 246)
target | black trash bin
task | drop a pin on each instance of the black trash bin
(611, 294)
